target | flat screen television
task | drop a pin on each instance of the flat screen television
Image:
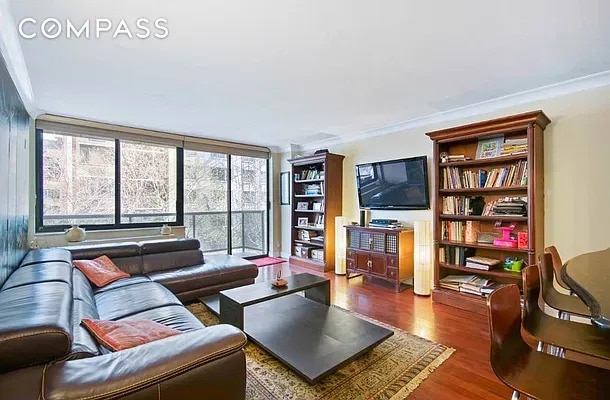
(394, 184)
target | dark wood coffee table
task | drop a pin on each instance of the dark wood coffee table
(303, 332)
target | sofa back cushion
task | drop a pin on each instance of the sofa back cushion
(126, 255)
(159, 255)
(35, 318)
(46, 255)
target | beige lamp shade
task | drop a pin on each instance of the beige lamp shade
(422, 281)
(340, 245)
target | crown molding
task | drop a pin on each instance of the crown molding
(559, 89)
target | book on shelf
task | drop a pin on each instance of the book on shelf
(486, 291)
(458, 278)
(471, 231)
(482, 263)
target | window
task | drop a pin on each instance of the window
(79, 182)
(107, 177)
(148, 183)
(77, 189)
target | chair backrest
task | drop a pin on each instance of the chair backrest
(557, 264)
(546, 276)
(504, 320)
(531, 289)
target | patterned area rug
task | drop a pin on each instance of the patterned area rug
(391, 370)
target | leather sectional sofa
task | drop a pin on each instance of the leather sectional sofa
(46, 354)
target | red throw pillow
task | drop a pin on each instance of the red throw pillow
(121, 335)
(100, 271)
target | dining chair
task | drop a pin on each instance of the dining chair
(557, 264)
(532, 373)
(565, 304)
(546, 330)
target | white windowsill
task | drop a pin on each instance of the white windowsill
(56, 239)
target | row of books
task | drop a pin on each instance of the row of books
(456, 178)
(310, 174)
(471, 284)
(513, 147)
(313, 189)
(457, 205)
(456, 255)
(460, 231)
(515, 175)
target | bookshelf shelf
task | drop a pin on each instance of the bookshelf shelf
(526, 129)
(309, 242)
(326, 177)
(485, 161)
(492, 272)
(309, 180)
(483, 246)
(309, 228)
(483, 218)
(499, 189)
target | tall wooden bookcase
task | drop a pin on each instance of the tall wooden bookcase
(317, 187)
(463, 140)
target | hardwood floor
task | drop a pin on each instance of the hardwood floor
(466, 374)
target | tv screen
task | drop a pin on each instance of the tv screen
(395, 184)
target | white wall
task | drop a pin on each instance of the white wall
(577, 184)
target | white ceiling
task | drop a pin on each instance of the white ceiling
(277, 72)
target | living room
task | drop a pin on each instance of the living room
(198, 127)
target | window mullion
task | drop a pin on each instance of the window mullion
(117, 182)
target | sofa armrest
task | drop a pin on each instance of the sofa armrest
(119, 374)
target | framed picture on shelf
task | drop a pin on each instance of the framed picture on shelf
(317, 206)
(284, 188)
(489, 148)
(302, 221)
(302, 205)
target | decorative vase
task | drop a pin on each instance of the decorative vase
(166, 229)
(75, 234)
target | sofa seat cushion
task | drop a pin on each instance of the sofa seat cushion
(35, 324)
(38, 273)
(122, 335)
(216, 270)
(176, 317)
(132, 280)
(132, 299)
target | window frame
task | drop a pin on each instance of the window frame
(42, 228)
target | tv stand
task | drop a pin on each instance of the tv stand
(382, 253)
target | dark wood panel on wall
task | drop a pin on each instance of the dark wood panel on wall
(14, 187)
